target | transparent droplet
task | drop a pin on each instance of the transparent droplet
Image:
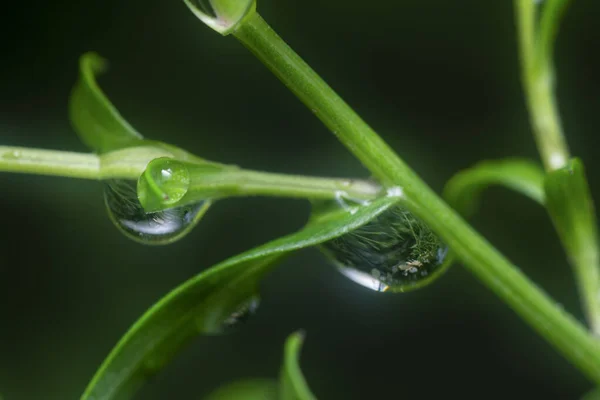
(221, 15)
(204, 6)
(160, 227)
(220, 322)
(394, 252)
(242, 313)
(164, 183)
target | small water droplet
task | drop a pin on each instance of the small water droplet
(241, 314)
(165, 182)
(160, 227)
(394, 252)
(225, 318)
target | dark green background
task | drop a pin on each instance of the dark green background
(438, 79)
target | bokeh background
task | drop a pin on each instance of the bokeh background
(438, 79)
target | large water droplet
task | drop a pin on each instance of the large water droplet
(154, 228)
(394, 252)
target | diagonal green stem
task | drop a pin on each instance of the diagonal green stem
(491, 267)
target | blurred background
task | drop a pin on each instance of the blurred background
(439, 80)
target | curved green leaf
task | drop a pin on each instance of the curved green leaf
(463, 190)
(292, 385)
(97, 122)
(101, 127)
(204, 303)
(250, 389)
(571, 207)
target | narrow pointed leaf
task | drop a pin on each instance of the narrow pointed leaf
(292, 384)
(203, 303)
(464, 190)
(570, 205)
(252, 389)
(97, 122)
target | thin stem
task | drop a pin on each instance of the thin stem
(258, 183)
(49, 162)
(491, 267)
(538, 80)
(551, 15)
(168, 183)
(127, 163)
(130, 163)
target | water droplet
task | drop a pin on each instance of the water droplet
(394, 252)
(241, 313)
(204, 6)
(160, 227)
(164, 183)
(225, 318)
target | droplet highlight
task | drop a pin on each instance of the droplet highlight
(394, 252)
(153, 228)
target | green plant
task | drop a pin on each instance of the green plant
(207, 302)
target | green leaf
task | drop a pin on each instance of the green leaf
(222, 15)
(97, 122)
(250, 389)
(203, 303)
(570, 205)
(463, 191)
(293, 386)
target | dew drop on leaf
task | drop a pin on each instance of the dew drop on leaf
(241, 314)
(394, 252)
(154, 228)
(164, 183)
(226, 318)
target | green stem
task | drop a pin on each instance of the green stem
(130, 163)
(538, 81)
(536, 42)
(491, 267)
(127, 163)
(258, 183)
(168, 183)
(49, 162)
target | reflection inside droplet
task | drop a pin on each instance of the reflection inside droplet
(204, 6)
(241, 313)
(394, 252)
(160, 227)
